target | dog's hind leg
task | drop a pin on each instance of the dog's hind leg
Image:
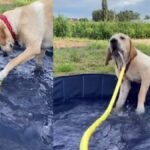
(28, 54)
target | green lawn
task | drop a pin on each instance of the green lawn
(13, 4)
(6, 7)
(89, 59)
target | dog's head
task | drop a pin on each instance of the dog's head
(6, 39)
(120, 45)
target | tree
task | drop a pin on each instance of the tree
(104, 10)
(97, 15)
(147, 17)
(128, 15)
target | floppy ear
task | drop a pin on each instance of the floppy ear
(133, 51)
(108, 56)
(2, 32)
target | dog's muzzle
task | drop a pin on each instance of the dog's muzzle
(114, 44)
(114, 47)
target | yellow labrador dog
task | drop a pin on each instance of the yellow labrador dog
(122, 50)
(32, 27)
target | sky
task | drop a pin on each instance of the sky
(84, 8)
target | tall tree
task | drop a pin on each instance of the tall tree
(128, 15)
(104, 10)
(97, 15)
(147, 17)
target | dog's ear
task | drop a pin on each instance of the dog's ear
(108, 56)
(2, 32)
(133, 51)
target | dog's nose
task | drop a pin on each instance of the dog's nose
(114, 43)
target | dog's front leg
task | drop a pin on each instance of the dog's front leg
(28, 54)
(40, 59)
(141, 97)
(124, 90)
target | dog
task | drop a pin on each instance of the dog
(32, 27)
(123, 52)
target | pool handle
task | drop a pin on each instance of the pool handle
(90, 131)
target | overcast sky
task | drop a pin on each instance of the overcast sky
(84, 8)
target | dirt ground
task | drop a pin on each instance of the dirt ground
(142, 41)
(79, 43)
(70, 43)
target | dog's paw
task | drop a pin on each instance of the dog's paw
(140, 110)
(116, 110)
(3, 75)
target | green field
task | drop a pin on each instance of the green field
(13, 4)
(88, 59)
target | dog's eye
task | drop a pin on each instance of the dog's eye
(122, 38)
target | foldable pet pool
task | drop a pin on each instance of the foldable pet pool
(80, 99)
(26, 106)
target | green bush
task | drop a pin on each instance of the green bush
(99, 30)
(62, 27)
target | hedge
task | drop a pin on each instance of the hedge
(99, 30)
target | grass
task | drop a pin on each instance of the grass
(82, 60)
(6, 7)
(11, 4)
(65, 67)
(86, 59)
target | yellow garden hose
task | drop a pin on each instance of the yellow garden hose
(90, 131)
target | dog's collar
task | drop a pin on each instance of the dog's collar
(129, 63)
(7, 23)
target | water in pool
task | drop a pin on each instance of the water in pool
(26, 107)
(123, 131)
